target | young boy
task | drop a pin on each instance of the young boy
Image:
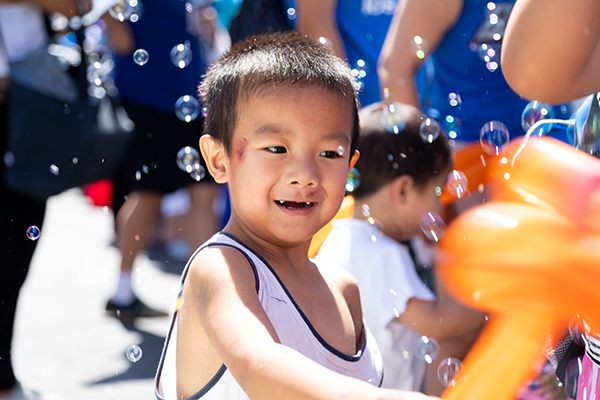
(256, 318)
(402, 177)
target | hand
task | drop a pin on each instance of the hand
(551, 387)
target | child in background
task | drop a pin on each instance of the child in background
(402, 177)
(256, 318)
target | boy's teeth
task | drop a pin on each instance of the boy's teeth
(307, 203)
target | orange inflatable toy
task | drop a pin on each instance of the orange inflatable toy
(530, 255)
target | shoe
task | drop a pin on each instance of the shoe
(133, 310)
(20, 392)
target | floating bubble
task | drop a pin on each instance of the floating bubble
(494, 138)
(454, 99)
(134, 353)
(33, 232)
(325, 42)
(141, 57)
(353, 180)
(447, 371)
(393, 119)
(457, 184)
(429, 130)
(419, 46)
(54, 169)
(428, 348)
(433, 226)
(360, 69)
(187, 108)
(534, 112)
(186, 158)
(9, 159)
(138, 175)
(198, 172)
(127, 10)
(452, 125)
(291, 13)
(181, 55)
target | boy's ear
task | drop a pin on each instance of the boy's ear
(401, 188)
(215, 158)
(354, 159)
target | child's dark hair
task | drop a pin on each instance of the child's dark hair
(386, 155)
(266, 62)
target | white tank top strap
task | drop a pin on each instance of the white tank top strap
(292, 326)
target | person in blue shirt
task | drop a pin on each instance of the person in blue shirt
(149, 91)
(463, 39)
(354, 29)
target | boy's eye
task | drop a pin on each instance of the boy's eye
(330, 154)
(276, 149)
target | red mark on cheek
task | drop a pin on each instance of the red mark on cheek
(241, 147)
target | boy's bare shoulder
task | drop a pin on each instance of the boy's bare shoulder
(219, 264)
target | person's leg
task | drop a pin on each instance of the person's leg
(135, 225)
(202, 222)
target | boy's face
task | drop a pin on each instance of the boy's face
(288, 164)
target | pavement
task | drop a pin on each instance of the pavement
(64, 345)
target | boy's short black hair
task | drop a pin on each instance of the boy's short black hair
(391, 145)
(266, 62)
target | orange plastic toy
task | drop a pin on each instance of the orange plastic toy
(345, 211)
(529, 255)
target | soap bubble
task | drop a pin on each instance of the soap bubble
(429, 130)
(534, 112)
(186, 158)
(54, 169)
(419, 46)
(428, 348)
(291, 14)
(187, 108)
(452, 125)
(457, 184)
(360, 69)
(325, 42)
(127, 10)
(353, 180)
(134, 353)
(198, 172)
(494, 138)
(447, 371)
(33, 232)
(433, 226)
(181, 55)
(141, 57)
(393, 120)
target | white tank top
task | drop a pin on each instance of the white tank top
(292, 326)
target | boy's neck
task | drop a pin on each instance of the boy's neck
(292, 255)
(379, 212)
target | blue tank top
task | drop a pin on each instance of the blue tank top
(468, 83)
(363, 25)
(159, 83)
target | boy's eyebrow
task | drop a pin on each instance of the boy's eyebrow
(269, 129)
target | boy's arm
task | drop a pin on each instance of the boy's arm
(551, 49)
(317, 18)
(398, 61)
(441, 319)
(246, 341)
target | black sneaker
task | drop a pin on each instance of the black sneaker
(133, 310)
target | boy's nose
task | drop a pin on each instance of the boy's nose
(302, 172)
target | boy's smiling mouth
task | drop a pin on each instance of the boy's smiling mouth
(292, 205)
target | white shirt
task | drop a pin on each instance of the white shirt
(387, 280)
(293, 329)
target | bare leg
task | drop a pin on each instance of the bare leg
(202, 221)
(135, 224)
